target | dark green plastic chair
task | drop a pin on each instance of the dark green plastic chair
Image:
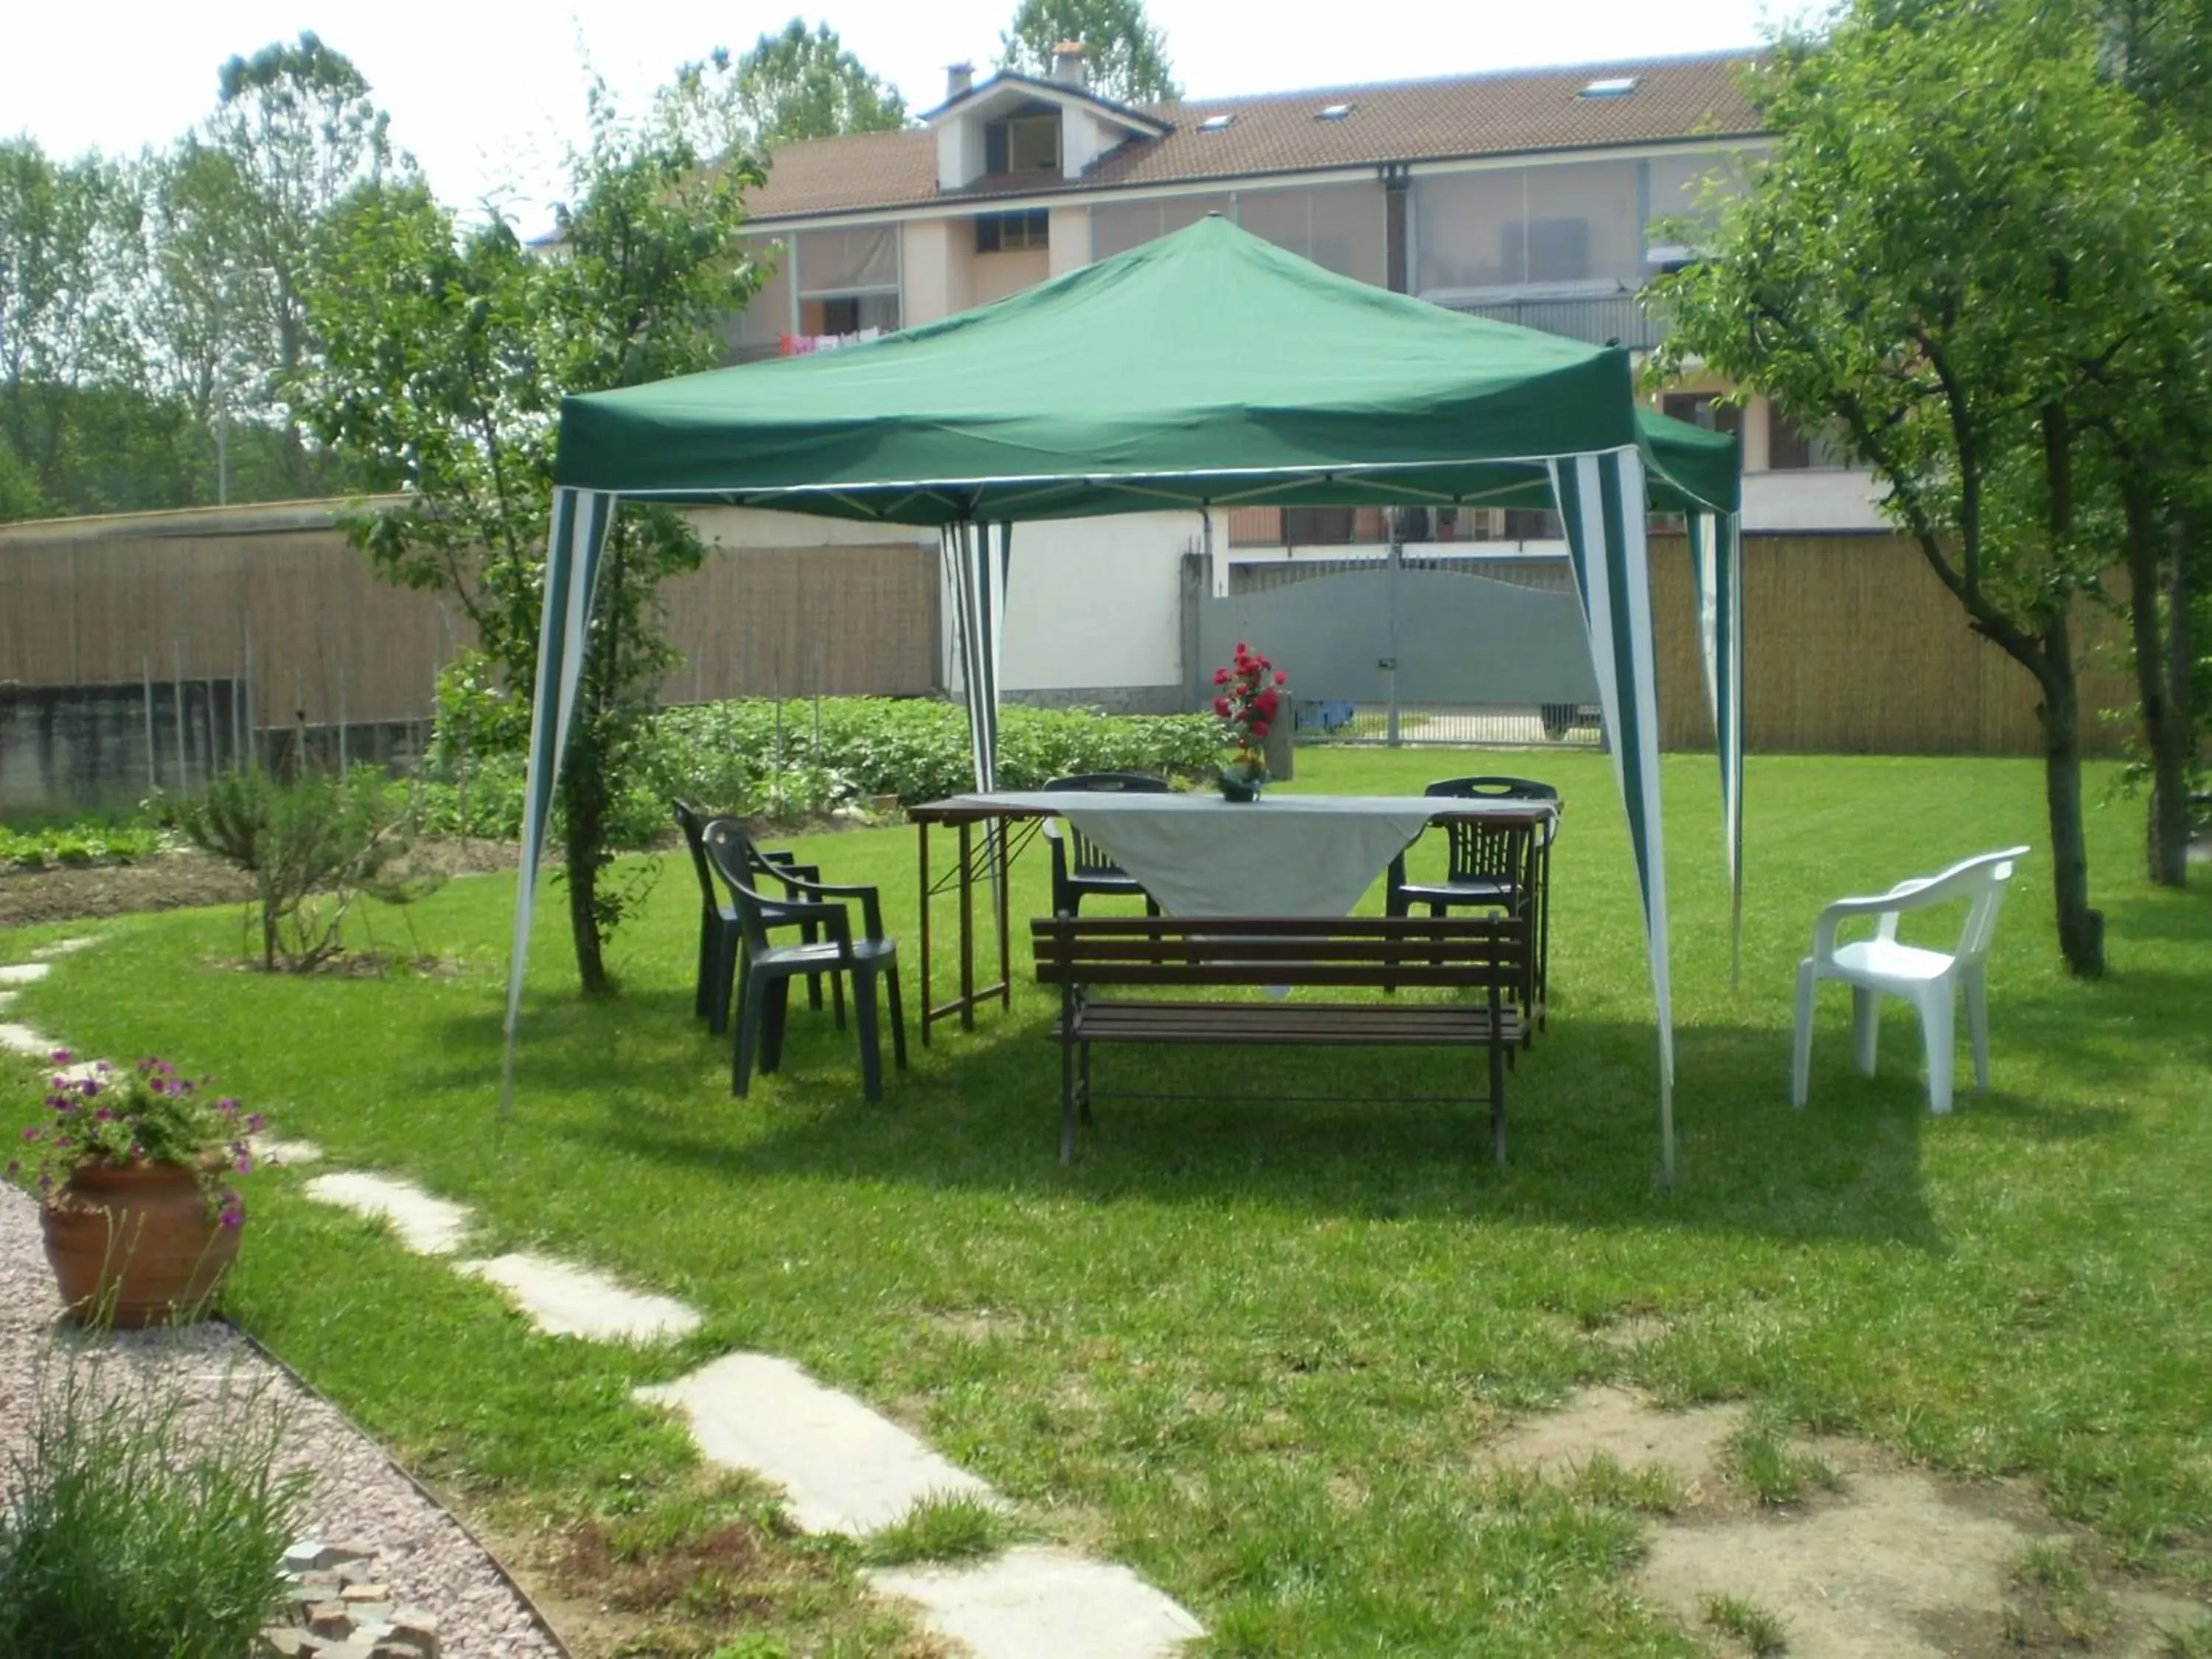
(766, 970)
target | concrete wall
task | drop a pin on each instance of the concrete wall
(1094, 603)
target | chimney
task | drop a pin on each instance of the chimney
(1067, 65)
(958, 78)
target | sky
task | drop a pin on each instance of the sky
(487, 94)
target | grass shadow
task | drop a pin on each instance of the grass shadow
(980, 1112)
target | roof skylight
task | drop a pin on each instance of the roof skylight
(1216, 123)
(1334, 112)
(1618, 85)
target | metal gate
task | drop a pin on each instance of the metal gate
(1417, 649)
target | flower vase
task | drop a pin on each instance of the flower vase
(134, 1244)
(1241, 780)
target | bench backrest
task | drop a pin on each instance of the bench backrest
(1453, 951)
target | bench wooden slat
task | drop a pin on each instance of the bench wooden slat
(1330, 1024)
(1483, 955)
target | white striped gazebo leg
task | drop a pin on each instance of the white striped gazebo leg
(574, 543)
(1600, 498)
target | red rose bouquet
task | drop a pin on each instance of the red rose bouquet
(1248, 697)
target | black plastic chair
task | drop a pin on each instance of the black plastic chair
(1079, 865)
(1491, 866)
(717, 927)
(765, 973)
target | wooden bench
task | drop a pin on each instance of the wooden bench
(1488, 956)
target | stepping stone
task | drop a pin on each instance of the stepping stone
(61, 947)
(268, 1150)
(564, 1300)
(846, 1468)
(426, 1226)
(24, 973)
(1032, 1600)
(22, 1040)
(84, 1072)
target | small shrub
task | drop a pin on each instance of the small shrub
(940, 1528)
(311, 846)
(132, 1532)
(753, 758)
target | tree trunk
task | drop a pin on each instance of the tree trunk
(580, 848)
(2182, 713)
(2080, 930)
(2165, 726)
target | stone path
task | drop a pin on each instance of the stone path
(848, 1469)
(22, 1039)
(845, 1467)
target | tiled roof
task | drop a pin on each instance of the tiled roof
(1470, 115)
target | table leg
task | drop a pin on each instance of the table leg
(921, 840)
(1005, 878)
(966, 928)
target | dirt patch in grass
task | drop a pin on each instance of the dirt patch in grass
(1613, 1423)
(1892, 1562)
(697, 1571)
(174, 880)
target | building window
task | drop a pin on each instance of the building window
(1549, 250)
(1704, 409)
(1790, 448)
(1010, 233)
(1027, 143)
(848, 281)
(1318, 526)
(1532, 524)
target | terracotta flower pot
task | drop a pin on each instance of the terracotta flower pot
(137, 1239)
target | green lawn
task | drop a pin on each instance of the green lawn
(1250, 1349)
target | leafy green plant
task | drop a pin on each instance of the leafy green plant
(76, 844)
(795, 763)
(940, 1526)
(311, 845)
(132, 1532)
(147, 1115)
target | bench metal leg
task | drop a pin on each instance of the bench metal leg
(1496, 1080)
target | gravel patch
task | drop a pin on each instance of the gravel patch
(423, 1553)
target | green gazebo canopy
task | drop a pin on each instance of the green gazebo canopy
(1206, 370)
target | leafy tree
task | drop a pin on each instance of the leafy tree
(67, 235)
(2158, 420)
(445, 357)
(1128, 57)
(295, 132)
(790, 87)
(1948, 253)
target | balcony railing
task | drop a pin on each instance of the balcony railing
(1616, 318)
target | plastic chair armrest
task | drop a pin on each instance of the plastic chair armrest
(870, 905)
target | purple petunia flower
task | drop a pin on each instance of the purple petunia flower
(244, 1164)
(255, 1122)
(61, 1056)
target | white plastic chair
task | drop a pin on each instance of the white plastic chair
(1882, 967)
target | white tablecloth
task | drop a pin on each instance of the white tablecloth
(1283, 855)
